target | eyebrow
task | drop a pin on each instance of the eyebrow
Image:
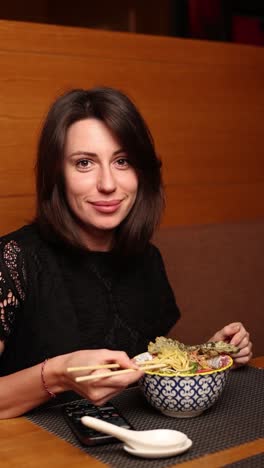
(88, 153)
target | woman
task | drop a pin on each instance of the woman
(83, 280)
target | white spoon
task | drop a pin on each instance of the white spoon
(154, 440)
(177, 450)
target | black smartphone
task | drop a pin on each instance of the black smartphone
(74, 411)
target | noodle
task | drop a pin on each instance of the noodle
(181, 359)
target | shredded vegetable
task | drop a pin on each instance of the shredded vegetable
(183, 359)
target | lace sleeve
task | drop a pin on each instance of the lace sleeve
(12, 286)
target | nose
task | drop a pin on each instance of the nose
(106, 181)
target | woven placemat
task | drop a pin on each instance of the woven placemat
(235, 419)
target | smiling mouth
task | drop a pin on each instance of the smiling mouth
(107, 206)
(107, 203)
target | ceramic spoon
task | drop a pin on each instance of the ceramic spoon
(155, 440)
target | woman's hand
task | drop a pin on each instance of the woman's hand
(236, 334)
(101, 390)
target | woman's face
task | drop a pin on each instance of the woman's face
(100, 184)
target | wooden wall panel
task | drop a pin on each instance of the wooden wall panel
(214, 203)
(204, 103)
(15, 212)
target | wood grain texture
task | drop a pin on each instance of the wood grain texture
(25, 444)
(225, 457)
(15, 212)
(204, 103)
(213, 203)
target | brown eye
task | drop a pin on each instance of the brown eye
(83, 163)
(122, 162)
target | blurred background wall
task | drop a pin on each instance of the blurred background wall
(239, 21)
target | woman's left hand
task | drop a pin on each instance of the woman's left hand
(236, 334)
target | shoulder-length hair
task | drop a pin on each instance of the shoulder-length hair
(120, 115)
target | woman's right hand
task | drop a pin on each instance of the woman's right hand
(97, 391)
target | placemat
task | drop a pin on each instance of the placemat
(236, 418)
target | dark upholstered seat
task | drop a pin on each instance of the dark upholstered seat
(217, 273)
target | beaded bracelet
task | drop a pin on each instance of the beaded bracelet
(50, 393)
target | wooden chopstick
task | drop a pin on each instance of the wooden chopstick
(83, 378)
(101, 366)
(105, 366)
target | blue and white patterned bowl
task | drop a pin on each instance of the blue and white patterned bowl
(183, 396)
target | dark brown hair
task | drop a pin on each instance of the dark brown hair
(121, 116)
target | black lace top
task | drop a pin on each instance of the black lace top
(11, 268)
(55, 300)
